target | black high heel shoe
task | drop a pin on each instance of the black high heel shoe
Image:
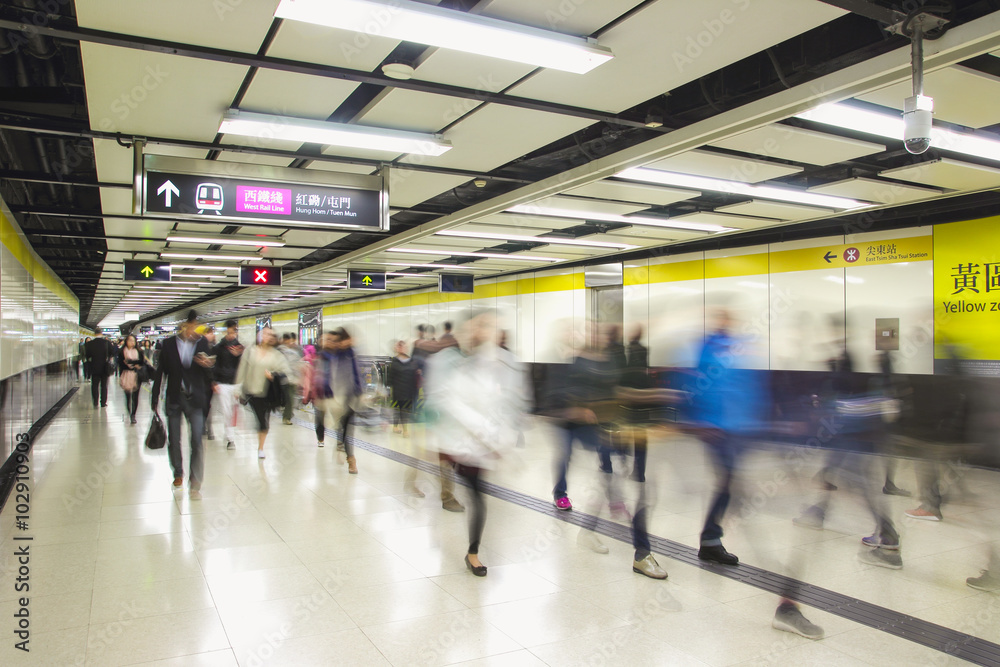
(478, 570)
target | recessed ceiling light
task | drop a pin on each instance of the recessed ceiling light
(227, 239)
(532, 209)
(490, 255)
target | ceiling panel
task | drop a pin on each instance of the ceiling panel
(570, 18)
(146, 228)
(633, 192)
(415, 111)
(342, 167)
(340, 48)
(644, 241)
(568, 251)
(870, 189)
(739, 222)
(494, 135)
(726, 167)
(409, 188)
(958, 93)
(665, 233)
(236, 26)
(150, 94)
(116, 201)
(114, 162)
(251, 158)
(294, 94)
(313, 238)
(945, 173)
(469, 70)
(646, 64)
(798, 145)
(777, 210)
(588, 205)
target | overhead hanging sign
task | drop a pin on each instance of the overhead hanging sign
(372, 280)
(260, 276)
(181, 188)
(147, 272)
(457, 283)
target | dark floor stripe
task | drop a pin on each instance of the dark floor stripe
(952, 642)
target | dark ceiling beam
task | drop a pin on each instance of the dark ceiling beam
(41, 177)
(869, 10)
(121, 40)
(62, 127)
(50, 233)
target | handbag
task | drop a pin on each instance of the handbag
(157, 435)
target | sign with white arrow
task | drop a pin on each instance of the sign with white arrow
(168, 189)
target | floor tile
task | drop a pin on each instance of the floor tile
(439, 640)
(549, 618)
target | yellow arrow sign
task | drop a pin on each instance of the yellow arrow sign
(146, 271)
(367, 280)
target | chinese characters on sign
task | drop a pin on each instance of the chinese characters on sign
(966, 277)
(254, 199)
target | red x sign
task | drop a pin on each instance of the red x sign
(260, 276)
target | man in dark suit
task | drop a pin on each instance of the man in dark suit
(185, 361)
(98, 354)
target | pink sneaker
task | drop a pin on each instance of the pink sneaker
(563, 503)
(619, 513)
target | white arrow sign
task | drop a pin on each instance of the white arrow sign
(166, 189)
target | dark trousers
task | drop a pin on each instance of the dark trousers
(342, 424)
(589, 437)
(725, 454)
(195, 415)
(99, 384)
(477, 515)
(132, 402)
(320, 415)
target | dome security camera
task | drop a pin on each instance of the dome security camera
(918, 114)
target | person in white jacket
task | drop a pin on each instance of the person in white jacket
(257, 370)
(477, 394)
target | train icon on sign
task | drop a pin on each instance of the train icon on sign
(209, 197)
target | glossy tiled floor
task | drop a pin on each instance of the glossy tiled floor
(291, 561)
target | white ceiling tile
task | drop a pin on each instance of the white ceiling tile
(409, 188)
(587, 205)
(958, 93)
(342, 167)
(494, 135)
(252, 158)
(116, 201)
(415, 111)
(261, 142)
(633, 192)
(726, 167)
(870, 189)
(491, 224)
(644, 241)
(146, 228)
(231, 25)
(570, 18)
(469, 70)
(647, 231)
(646, 64)
(294, 94)
(777, 210)
(329, 46)
(344, 152)
(951, 174)
(798, 145)
(738, 222)
(314, 238)
(151, 94)
(114, 162)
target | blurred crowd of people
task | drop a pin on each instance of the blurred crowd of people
(472, 399)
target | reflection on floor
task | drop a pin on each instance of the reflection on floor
(291, 561)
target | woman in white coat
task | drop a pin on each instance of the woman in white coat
(258, 367)
(478, 396)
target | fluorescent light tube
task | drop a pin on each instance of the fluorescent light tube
(437, 266)
(204, 267)
(532, 209)
(267, 126)
(195, 255)
(446, 28)
(536, 239)
(891, 126)
(491, 255)
(261, 241)
(737, 188)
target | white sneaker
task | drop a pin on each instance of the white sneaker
(319, 443)
(260, 453)
(588, 539)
